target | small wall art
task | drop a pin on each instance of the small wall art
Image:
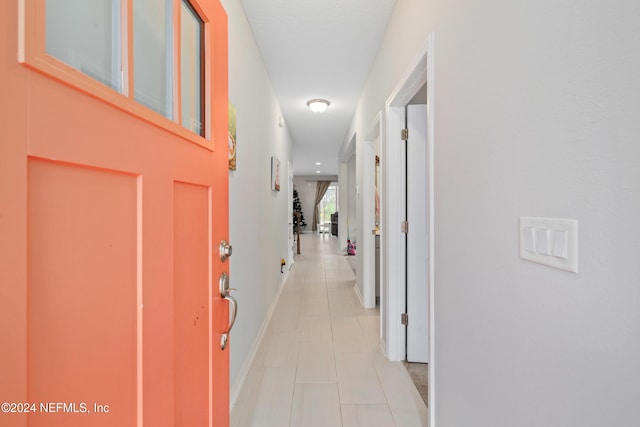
(275, 173)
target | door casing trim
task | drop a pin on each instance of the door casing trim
(393, 253)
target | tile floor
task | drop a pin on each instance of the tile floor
(319, 363)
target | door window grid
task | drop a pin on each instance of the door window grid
(117, 68)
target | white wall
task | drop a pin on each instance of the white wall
(258, 216)
(536, 113)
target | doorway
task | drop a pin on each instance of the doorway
(370, 234)
(395, 256)
(417, 235)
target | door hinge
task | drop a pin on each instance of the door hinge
(404, 134)
(404, 318)
(404, 227)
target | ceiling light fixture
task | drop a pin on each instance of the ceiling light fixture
(318, 105)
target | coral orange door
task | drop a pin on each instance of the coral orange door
(109, 227)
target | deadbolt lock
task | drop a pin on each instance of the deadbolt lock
(225, 250)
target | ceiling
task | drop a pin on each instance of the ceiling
(318, 49)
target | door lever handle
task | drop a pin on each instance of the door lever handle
(225, 290)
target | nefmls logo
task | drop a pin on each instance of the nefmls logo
(64, 407)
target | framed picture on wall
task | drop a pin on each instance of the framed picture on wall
(275, 173)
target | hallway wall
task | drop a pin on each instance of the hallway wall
(258, 217)
(535, 115)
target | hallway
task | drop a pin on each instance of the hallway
(319, 363)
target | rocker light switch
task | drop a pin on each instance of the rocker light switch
(543, 241)
(560, 243)
(529, 237)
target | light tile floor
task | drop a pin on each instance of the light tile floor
(320, 363)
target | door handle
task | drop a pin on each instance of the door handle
(225, 290)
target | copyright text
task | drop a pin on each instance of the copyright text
(53, 407)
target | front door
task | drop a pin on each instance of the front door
(111, 214)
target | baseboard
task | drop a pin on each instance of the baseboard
(356, 289)
(237, 385)
(383, 347)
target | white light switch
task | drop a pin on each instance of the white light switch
(560, 244)
(529, 239)
(550, 241)
(543, 241)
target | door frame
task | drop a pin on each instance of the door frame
(393, 256)
(364, 205)
(291, 231)
(346, 152)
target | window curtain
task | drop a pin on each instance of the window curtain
(321, 189)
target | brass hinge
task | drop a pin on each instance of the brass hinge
(404, 318)
(404, 134)
(404, 227)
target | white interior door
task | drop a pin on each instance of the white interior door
(417, 236)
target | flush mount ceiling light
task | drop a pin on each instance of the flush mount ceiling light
(318, 105)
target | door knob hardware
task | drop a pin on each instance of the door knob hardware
(225, 290)
(225, 250)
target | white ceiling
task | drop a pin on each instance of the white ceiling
(318, 49)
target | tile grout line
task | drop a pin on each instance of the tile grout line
(335, 361)
(295, 375)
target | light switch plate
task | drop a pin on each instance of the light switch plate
(560, 250)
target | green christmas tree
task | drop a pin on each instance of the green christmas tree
(297, 211)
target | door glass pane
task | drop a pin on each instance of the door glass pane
(192, 29)
(86, 36)
(152, 55)
(328, 204)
